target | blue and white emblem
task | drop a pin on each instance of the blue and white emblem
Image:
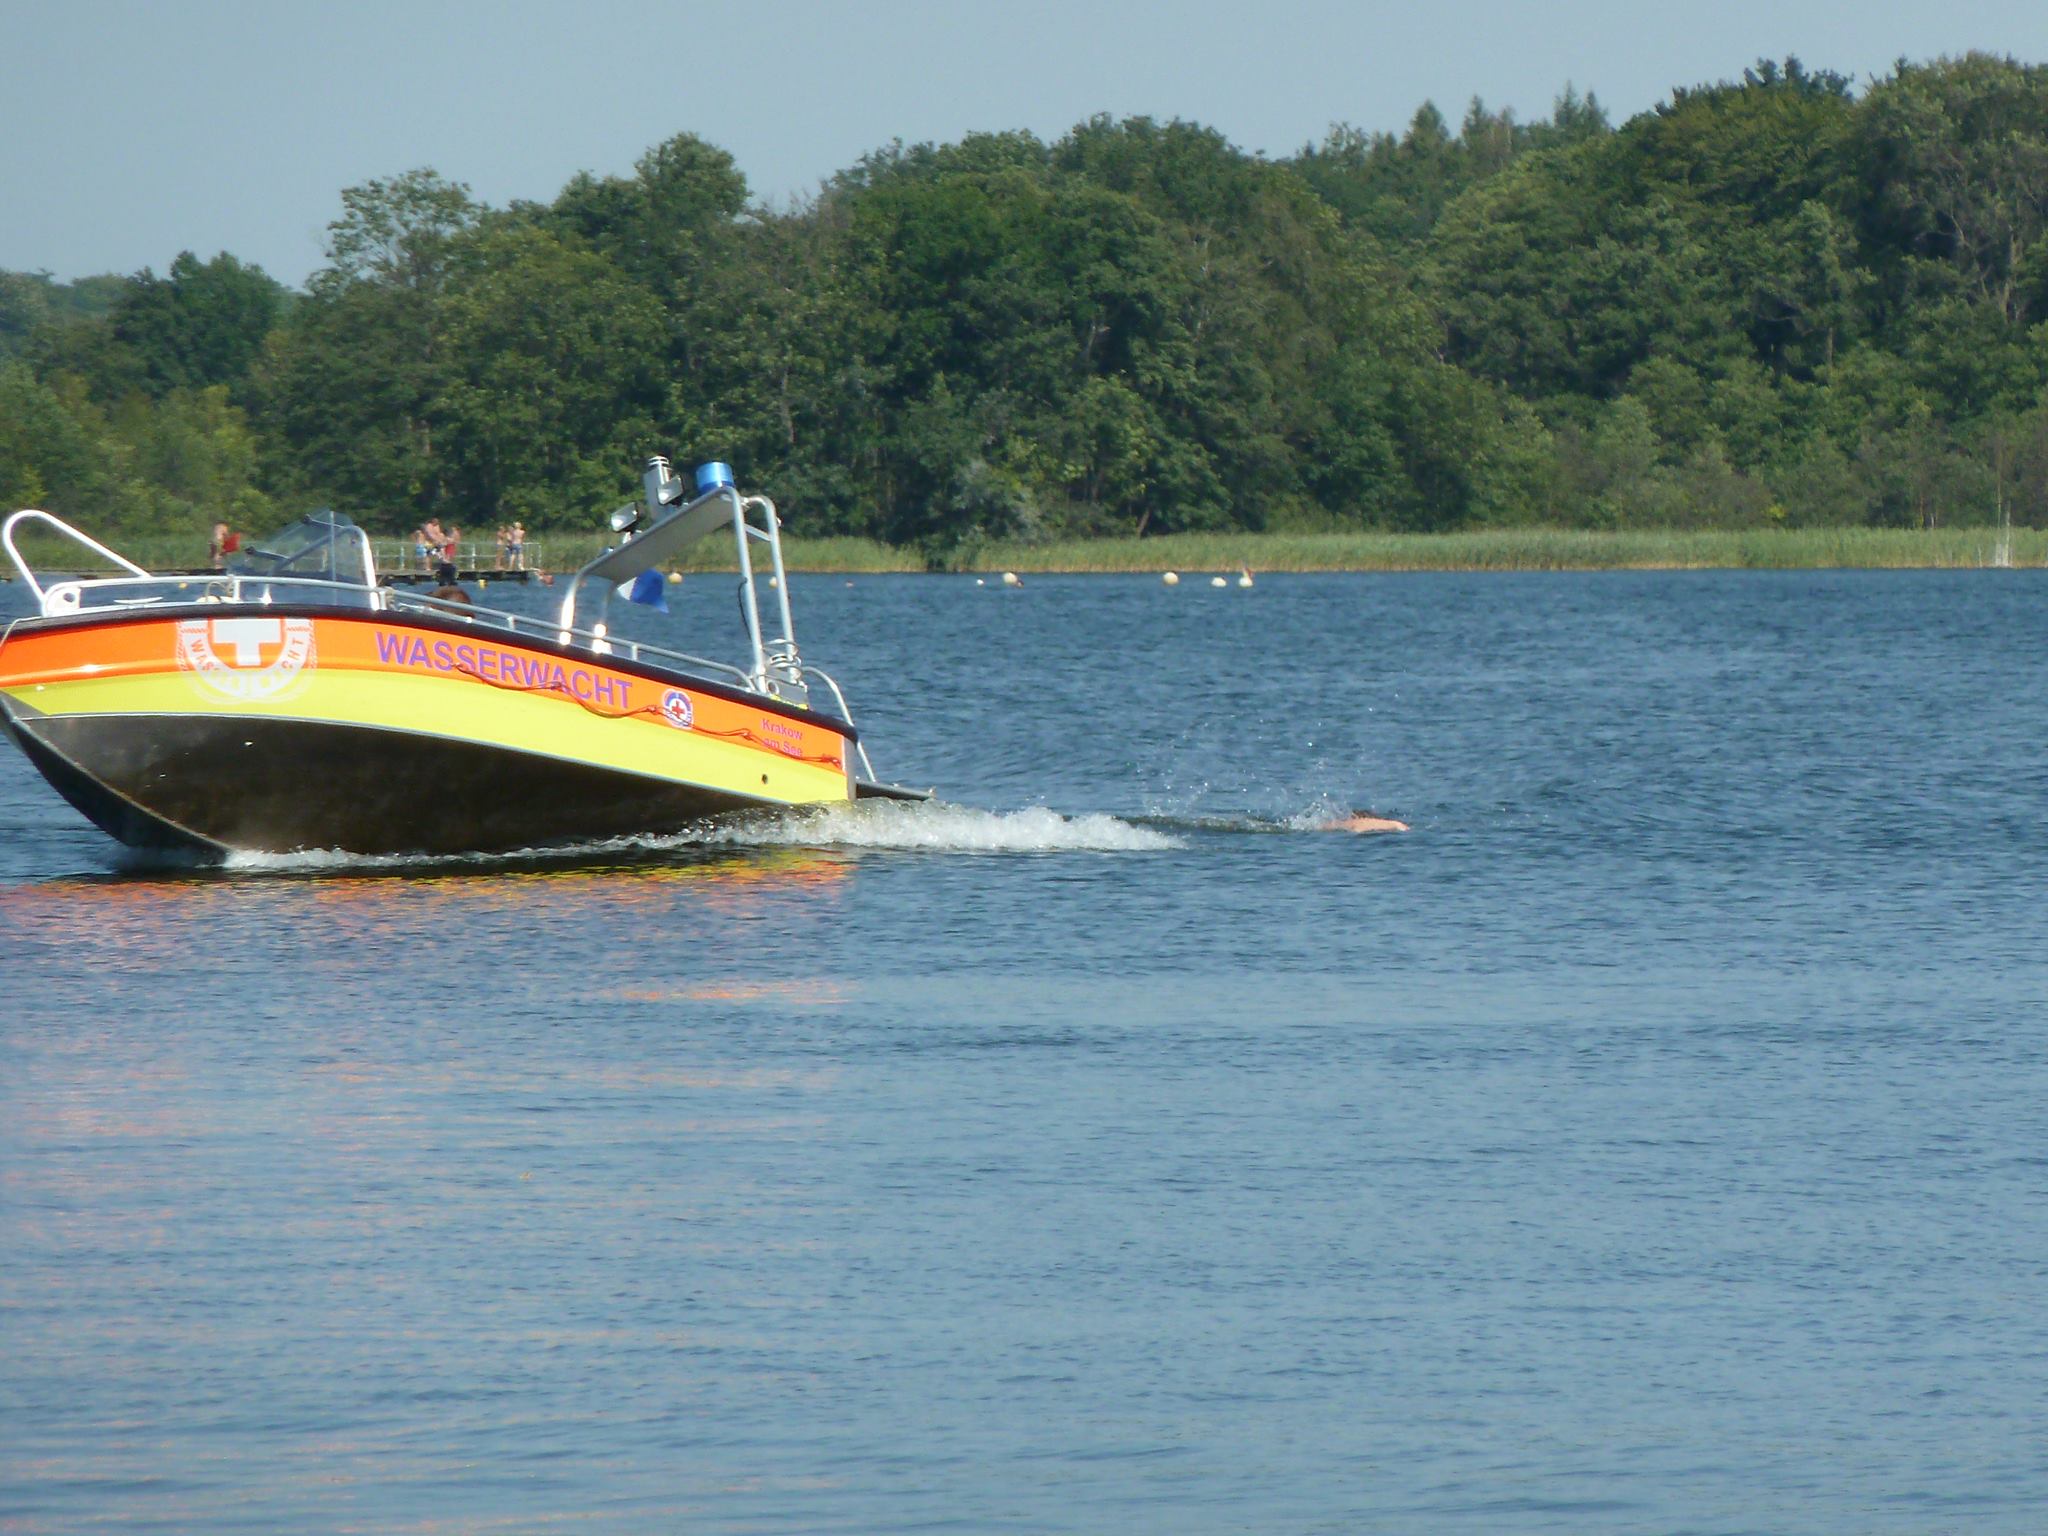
(675, 709)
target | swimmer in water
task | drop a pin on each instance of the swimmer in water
(1362, 821)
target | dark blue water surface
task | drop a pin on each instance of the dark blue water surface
(1653, 1139)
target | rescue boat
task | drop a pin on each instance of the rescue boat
(293, 702)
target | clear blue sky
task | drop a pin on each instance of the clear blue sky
(135, 130)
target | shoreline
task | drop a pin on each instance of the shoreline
(1201, 555)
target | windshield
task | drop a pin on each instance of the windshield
(322, 546)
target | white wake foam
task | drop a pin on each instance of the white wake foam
(313, 861)
(882, 824)
(935, 825)
(1317, 815)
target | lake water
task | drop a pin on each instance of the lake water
(1653, 1139)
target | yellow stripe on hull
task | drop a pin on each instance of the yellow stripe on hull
(460, 709)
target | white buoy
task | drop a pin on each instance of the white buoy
(979, 582)
(675, 578)
(1010, 579)
(1218, 581)
(772, 581)
(1244, 578)
(1171, 578)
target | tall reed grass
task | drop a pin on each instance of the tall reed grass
(1497, 549)
(1530, 549)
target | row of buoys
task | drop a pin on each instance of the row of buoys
(1171, 578)
(1012, 579)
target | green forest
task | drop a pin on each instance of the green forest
(1783, 301)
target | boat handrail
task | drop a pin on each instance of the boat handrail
(641, 550)
(67, 597)
(845, 714)
(679, 520)
(594, 640)
(36, 514)
(777, 670)
(70, 597)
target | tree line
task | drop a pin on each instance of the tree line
(1776, 300)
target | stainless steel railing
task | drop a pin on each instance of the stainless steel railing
(143, 589)
(66, 598)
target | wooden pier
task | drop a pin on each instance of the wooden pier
(384, 578)
(428, 579)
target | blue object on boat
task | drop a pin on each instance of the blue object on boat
(650, 588)
(713, 477)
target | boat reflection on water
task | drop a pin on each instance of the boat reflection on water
(332, 1077)
(360, 919)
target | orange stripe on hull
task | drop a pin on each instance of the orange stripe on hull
(242, 659)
